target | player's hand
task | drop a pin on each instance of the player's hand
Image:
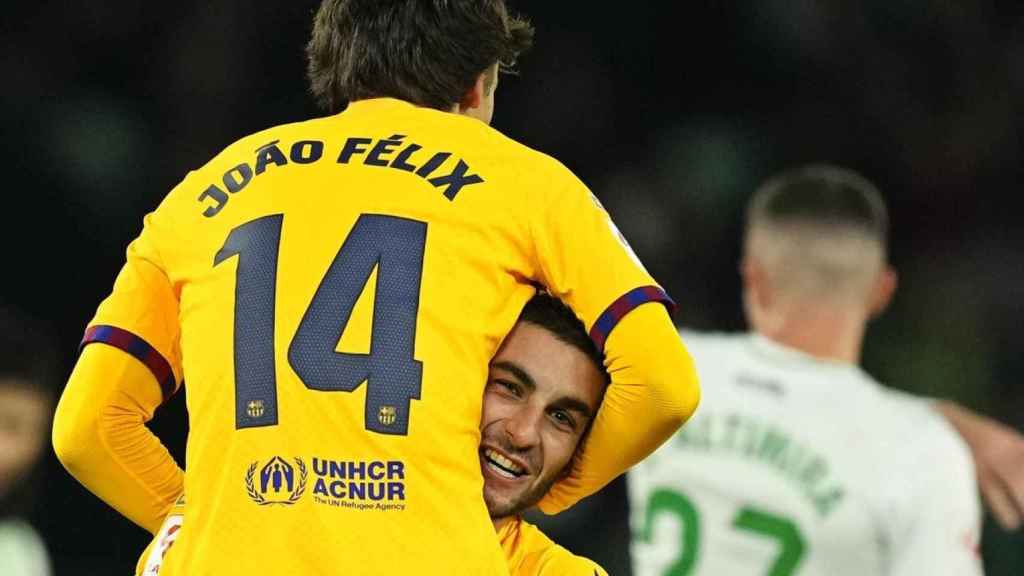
(998, 452)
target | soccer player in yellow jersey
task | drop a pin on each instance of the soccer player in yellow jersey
(544, 387)
(332, 289)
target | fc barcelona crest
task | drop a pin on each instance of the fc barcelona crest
(387, 415)
(254, 408)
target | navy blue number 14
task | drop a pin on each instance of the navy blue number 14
(394, 246)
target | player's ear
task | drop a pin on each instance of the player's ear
(885, 287)
(757, 296)
(756, 291)
(476, 94)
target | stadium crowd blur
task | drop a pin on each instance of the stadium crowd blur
(671, 112)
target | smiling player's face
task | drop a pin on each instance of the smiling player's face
(541, 394)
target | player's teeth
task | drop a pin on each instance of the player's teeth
(501, 471)
(503, 462)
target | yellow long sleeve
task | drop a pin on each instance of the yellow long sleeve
(100, 436)
(653, 391)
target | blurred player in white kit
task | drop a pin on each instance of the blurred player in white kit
(798, 462)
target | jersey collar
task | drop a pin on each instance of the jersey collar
(784, 355)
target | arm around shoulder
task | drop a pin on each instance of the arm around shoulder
(653, 391)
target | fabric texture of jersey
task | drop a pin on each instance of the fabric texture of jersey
(531, 553)
(799, 466)
(332, 291)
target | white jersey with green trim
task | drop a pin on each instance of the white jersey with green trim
(795, 466)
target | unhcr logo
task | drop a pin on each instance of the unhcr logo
(278, 482)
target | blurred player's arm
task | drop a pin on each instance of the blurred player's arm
(653, 390)
(998, 452)
(937, 530)
(129, 365)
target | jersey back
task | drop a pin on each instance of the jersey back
(332, 291)
(795, 466)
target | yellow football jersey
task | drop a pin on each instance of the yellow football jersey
(332, 292)
(529, 552)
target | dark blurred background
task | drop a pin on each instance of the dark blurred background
(671, 111)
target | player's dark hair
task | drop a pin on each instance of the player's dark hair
(821, 194)
(549, 313)
(428, 52)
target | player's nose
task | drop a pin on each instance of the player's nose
(523, 429)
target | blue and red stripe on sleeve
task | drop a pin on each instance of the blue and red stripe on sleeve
(140, 349)
(625, 304)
